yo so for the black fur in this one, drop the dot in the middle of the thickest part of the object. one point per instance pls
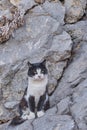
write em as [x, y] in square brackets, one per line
[41, 102]
[16, 121]
[32, 103]
[33, 67]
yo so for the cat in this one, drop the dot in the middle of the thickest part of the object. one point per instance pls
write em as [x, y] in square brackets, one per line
[35, 100]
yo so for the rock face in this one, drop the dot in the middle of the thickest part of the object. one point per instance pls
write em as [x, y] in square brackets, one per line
[45, 35]
[75, 10]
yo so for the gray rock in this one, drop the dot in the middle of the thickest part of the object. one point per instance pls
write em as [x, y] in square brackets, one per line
[40, 1]
[25, 126]
[63, 106]
[74, 74]
[44, 36]
[74, 10]
[55, 10]
[50, 121]
[78, 31]
[10, 105]
[23, 4]
[79, 107]
[54, 122]
[5, 9]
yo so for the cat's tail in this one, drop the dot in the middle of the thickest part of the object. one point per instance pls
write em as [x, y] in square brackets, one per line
[16, 121]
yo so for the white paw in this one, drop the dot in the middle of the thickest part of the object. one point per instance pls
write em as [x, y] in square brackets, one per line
[25, 117]
[40, 113]
[31, 116]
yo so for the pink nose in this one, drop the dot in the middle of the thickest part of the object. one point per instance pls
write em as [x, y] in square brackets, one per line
[39, 76]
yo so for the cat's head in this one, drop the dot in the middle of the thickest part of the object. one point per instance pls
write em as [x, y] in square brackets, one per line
[37, 71]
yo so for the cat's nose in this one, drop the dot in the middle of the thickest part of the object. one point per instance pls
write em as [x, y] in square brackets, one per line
[39, 76]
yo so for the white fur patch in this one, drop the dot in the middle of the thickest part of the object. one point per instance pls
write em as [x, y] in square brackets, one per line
[28, 117]
[36, 88]
[31, 116]
[39, 75]
[40, 113]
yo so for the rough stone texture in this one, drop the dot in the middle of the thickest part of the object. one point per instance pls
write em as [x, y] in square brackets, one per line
[23, 4]
[51, 120]
[44, 36]
[73, 84]
[40, 1]
[75, 10]
[78, 31]
[52, 8]
[79, 107]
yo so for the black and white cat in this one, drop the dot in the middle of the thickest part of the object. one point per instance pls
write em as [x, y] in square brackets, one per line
[35, 100]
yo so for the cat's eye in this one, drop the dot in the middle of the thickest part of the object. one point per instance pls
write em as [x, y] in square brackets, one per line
[42, 71]
[35, 72]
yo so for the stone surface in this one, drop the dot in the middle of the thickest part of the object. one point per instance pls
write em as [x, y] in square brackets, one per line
[55, 10]
[79, 108]
[63, 106]
[23, 4]
[74, 10]
[54, 123]
[10, 105]
[48, 122]
[73, 75]
[78, 31]
[74, 85]
[40, 1]
[64, 46]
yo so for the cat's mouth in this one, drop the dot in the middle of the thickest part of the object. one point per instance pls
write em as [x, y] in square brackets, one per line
[38, 79]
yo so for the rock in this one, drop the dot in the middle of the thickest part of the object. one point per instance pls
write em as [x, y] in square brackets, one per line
[51, 121]
[40, 1]
[79, 106]
[23, 4]
[54, 122]
[5, 10]
[63, 106]
[74, 10]
[5, 114]
[72, 76]
[10, 105]
[45, 36]
[26, 125]
[3, 127]
[78, 31]
[9, 23]
[55, 10]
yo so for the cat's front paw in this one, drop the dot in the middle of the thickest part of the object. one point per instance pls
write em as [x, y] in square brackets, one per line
[31, 116]
[40, 113]
[24, 117]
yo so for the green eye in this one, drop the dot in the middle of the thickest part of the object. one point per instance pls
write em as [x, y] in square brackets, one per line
[42, 71]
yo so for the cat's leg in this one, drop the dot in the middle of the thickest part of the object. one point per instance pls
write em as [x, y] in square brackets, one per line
[32, 107]
[40, 106]
[23, 109]
[43, 105]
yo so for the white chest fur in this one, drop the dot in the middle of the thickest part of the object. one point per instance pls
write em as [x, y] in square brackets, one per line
[36, 88]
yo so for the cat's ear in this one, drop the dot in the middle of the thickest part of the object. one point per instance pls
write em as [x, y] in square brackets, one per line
[44, 62]
[29, 64]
